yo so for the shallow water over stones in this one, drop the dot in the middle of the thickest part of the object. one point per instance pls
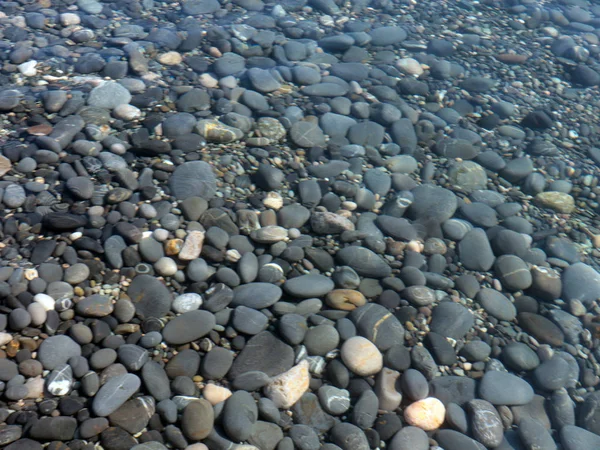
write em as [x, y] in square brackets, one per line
[259, 225]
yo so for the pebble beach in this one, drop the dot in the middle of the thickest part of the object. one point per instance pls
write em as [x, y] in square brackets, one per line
[299, 225]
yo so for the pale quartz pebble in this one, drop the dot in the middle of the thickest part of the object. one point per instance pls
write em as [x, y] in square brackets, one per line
[170, 58]
[192, 246]
[28, 68]
[67, 19]
[127, 112]
[46, 301]
[410, 66]
[215, 394]
[385, 388]
[427, 414]
[35, 387]
[5, 338]
[208, 81]
[361, 356]
[287, 388]
[273, 200]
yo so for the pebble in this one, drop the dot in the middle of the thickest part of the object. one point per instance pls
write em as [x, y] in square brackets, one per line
[427, 414]
[286, 389]
[114, 393]
[361, 356]
[502, 388]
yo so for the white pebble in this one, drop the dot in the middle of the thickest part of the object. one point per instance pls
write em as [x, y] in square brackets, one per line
[28, 68]
[127, 112]
[45, 300]
[67, 19]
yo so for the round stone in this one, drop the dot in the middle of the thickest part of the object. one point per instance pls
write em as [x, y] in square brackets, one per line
[361, 356]
[427, 414]
[193, 179]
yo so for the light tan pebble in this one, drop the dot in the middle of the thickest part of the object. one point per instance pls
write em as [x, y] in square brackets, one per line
[345, 299]
[67, 19]
[361, 356]
[5, 338]
[170, 58]
[427, 414]
[35, 387]
[385, 388]
[192, 247]
[215, 52]
[410, 66]
[165, 266]
[348, 205]
[558, 201]
[215, 394]
[287, 388]
[273, 200]
[197, 446]
[127, 112]
[208, 81]
[415, 246]
[5, 165]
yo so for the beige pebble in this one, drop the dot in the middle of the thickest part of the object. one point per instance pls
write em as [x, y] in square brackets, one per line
[35, 387]
[192, 246]
[5, 338]
[361, 356]
[558, 201]
[345, 299]
[197, 446]
[67, 19]
[170, 58]
[215, 394]
[385, 388]
[287, 388]
[5, 165]
[409, 66]
[127, 112]
[427, 414]
[273, 200]
[208, 81]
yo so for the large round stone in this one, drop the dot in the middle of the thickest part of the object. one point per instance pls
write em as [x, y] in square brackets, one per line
[150, 297]
[193, 179]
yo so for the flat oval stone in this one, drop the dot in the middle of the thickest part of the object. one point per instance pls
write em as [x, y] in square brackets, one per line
[378, 324]
[308, 286]
[364, 261]
[256, 295]
[361, 356]
[263, 353]
[486, 425]
[188, 327]
[541, 328]
[496, 304]
[502, 388]
[197, 420]
[451, 320]
[114, 393]
[95, 306]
